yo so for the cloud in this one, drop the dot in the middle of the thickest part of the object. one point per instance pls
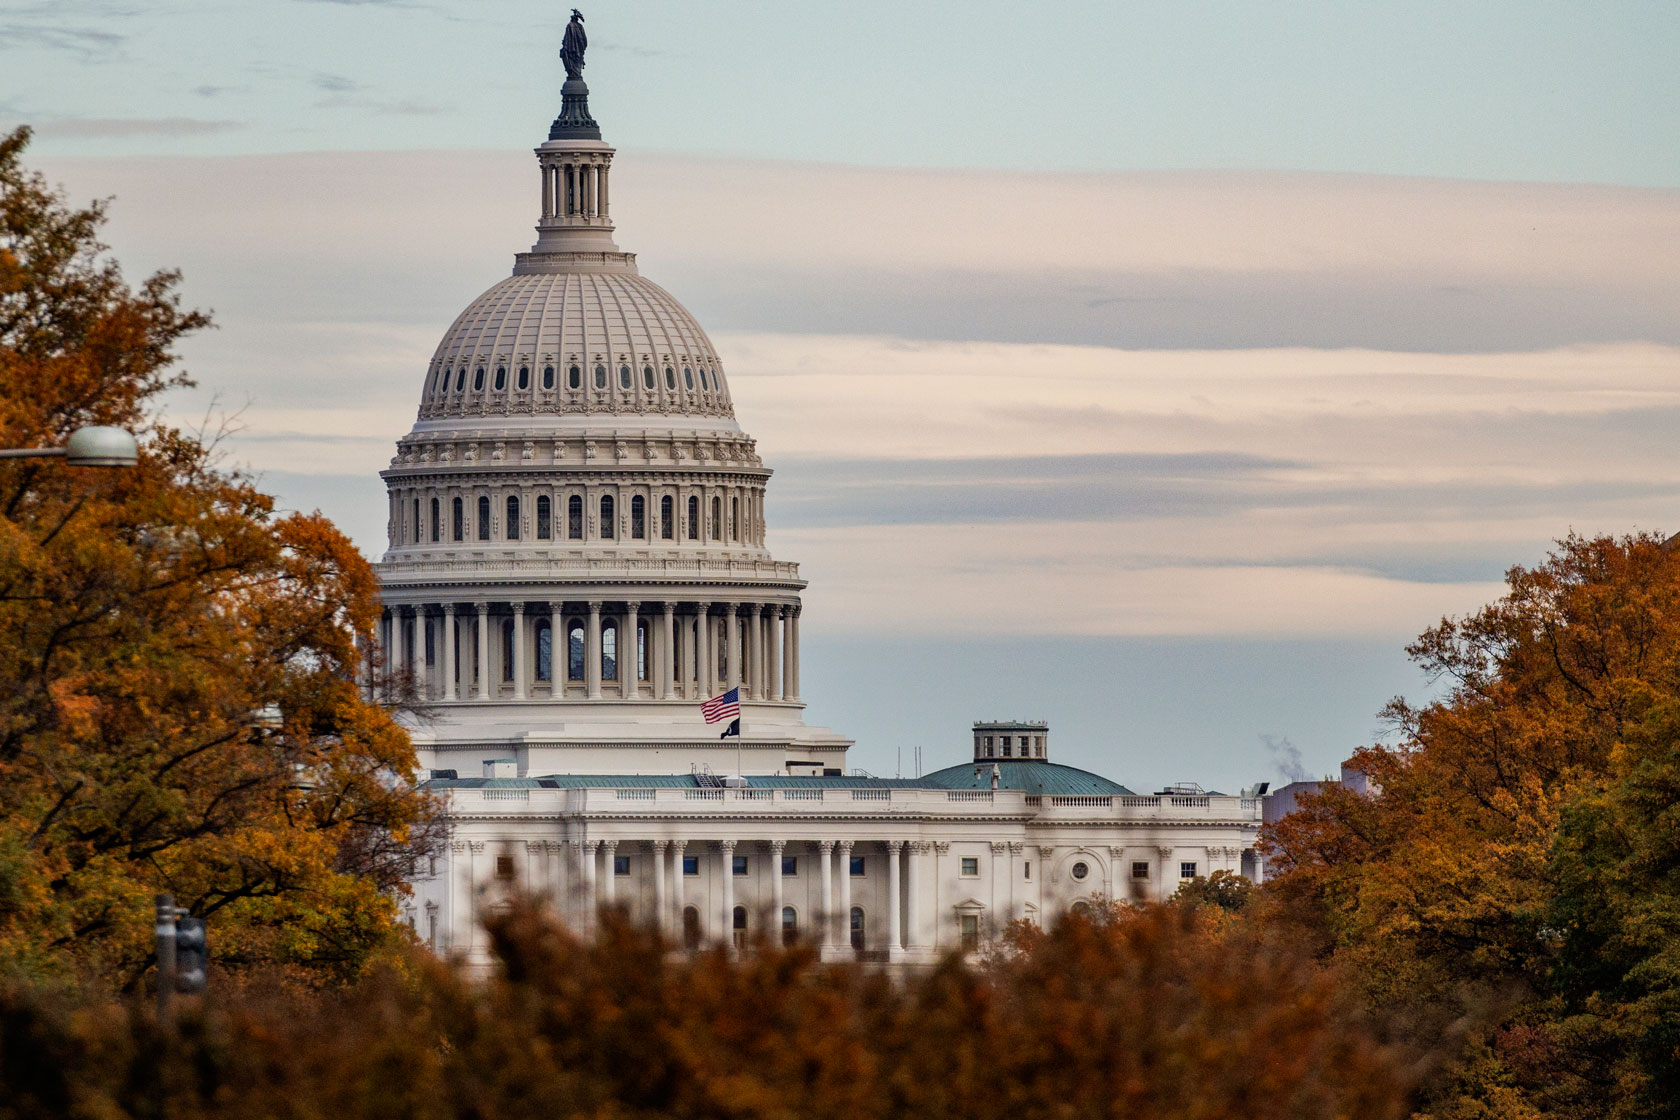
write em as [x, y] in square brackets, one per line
[334, 83]
[86, 42]
[216, 91]
[110, 128]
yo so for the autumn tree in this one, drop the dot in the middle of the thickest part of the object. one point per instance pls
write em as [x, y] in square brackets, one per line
[1521, 857]
[178, 710]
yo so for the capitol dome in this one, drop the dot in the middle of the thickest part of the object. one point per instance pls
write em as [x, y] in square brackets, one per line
[576, 549]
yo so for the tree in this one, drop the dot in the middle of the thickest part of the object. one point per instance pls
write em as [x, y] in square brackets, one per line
[1521, 853]
[178, 705]
[1225, 890]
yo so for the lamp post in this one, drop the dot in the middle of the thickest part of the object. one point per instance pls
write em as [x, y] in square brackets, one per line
[86, 447]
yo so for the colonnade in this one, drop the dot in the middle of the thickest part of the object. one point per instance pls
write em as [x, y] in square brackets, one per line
[596, 649]
[573, 188]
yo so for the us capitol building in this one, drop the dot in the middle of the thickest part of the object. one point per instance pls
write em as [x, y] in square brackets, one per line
[576, 562]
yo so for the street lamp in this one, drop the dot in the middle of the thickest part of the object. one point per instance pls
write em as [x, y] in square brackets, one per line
[86, 447]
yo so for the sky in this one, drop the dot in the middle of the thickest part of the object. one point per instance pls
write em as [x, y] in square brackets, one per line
[1158, 370]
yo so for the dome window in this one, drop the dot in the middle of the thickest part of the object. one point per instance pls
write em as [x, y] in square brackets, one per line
[600, 376]
[524, 377]
[647, 377]
[688, 378]
[460, 379]
[548, 377]
[501, 378]
[478, 379]
[574, 378]
[624, 377]
[670, 378]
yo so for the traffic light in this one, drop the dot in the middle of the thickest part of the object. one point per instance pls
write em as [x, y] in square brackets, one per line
[192, 955]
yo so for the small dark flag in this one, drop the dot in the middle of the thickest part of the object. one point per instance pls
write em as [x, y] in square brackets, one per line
[733, 729]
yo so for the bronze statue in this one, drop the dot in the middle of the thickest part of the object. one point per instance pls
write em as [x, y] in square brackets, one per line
[573, 46]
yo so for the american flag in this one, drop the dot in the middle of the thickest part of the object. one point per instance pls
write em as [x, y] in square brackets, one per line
[720, 708]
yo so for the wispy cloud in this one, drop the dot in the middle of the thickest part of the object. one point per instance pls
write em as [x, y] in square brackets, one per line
[112, 128]
[334, 83]
[88, 43]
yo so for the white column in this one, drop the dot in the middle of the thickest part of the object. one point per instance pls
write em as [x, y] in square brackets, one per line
[667, 653]
[773, 657]
[703, 648]
[659, 915]
[592, 652]
[787, 655]
[627, 679]
[895, 925]
[484, 651]
[1166, 887]
[448, 644]
[843, 853]
[755, 651]
[727, 848]
[591, 901]
[915, 936]
[609, 892]
[678, 848]
[793, 656]
[559, 650]
[519, 658]
[732, 635]
[417, 663]
[776, 847]
[825, 849]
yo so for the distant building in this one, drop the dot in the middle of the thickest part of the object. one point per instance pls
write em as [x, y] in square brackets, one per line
[576, 561]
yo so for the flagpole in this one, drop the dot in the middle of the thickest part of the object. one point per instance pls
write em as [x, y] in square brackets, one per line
[740, 733]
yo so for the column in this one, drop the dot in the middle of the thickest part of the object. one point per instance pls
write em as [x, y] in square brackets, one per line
[727, 847]
[825, 848]
[895, 925]
[592, 652]
[394, 646]
[776, 847]
[793, 656]
[659, 915]
[417, 663]
[754, 666]
[773, 656]
[732, 636]
[703, 649]
[448, 644]
[678, 848]
[915, 937]
[483, 651]
[667, 653]
[843, 852]
[627, 665]
[590, 901]
[519, 657]
[1165, 888]
[610, 890]
[559, 650]
[787, 654]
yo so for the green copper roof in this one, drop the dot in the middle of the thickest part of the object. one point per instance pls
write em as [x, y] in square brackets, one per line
[1030, 776]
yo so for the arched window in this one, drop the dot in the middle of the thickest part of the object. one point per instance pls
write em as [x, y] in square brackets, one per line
[691, 928]
[545, 650]
[608, 529]
[734, 519]
[670, 378]
[624, 377]
[600, 376]
[574, 518]
[739, 921]
[693, 518]
[417, 521]
[501, 378]
[548, 377]
[857, 927]
[574, 650]
[638, 517]
[790, 925]
[545, 518]
[647, 377]
[512, 518]
[460, 521]
[665, 526]
[609, 651]
[460, 379]
[688, 378]
[478, 379]
[507, 650]
[524, 377]
[436, 529]
[717, 518]
[483, 518]
[574, 378]
[641, 649]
